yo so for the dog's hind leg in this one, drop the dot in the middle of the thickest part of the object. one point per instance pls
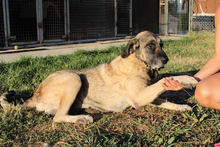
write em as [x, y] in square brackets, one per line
[72, 87]
[4, 98]
[171, 106]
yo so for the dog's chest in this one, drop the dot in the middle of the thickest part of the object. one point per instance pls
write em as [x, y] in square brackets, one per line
[107, 97]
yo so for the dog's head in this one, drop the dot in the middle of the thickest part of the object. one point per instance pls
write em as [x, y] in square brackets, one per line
[147, 47]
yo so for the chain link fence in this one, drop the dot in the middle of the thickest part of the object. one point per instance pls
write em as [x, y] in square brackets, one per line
[184, 16]
[204, 14]
[31, 22]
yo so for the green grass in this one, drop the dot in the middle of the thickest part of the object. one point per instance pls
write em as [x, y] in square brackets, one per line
[147, 126]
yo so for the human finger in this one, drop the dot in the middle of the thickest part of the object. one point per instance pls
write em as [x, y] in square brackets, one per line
[169, 82]
[166, 87]
[172, 84]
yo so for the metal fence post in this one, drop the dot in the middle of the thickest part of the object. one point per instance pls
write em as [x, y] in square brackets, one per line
[166, 17]
[39, 12]
[5, 22]
[67, 19]
[190, 15]
[130, 18]
[116, 17]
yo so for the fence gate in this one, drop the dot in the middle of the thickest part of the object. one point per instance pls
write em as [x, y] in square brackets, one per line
[20, 17]
[123, 17]
[91, 20]
[177, 16]
[53, 20]
[145, 16]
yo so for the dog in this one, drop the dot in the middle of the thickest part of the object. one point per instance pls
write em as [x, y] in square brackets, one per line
[130, 80]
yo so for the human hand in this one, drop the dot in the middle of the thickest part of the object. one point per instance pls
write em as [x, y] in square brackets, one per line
[170, 84]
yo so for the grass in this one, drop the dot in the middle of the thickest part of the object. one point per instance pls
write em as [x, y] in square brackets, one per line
[147, 126]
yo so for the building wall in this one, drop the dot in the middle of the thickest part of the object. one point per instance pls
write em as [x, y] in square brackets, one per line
[205, 6]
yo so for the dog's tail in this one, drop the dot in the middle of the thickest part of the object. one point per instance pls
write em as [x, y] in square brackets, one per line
[4, 98]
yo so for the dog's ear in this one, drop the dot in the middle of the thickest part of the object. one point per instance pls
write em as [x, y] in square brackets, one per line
[131, 46]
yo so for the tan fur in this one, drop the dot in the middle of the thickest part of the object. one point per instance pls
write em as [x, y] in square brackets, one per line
[127, 81]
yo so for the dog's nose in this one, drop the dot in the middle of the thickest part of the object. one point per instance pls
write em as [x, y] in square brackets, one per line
[165, 60]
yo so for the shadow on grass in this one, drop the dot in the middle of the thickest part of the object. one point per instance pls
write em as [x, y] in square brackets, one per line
[20, 97]
[182, 96]
[190, 73]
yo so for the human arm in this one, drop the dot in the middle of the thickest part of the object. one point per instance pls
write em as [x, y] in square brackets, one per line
[213, 64]
[210, 68]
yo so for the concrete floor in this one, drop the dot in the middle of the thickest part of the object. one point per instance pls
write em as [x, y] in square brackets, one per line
[8, 56]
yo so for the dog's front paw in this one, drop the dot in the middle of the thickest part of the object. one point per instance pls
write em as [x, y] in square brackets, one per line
[84, 119]
[176, 107]
[183, 108]
[186, 81]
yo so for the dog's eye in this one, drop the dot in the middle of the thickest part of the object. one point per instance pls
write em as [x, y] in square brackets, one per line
[150, 45]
